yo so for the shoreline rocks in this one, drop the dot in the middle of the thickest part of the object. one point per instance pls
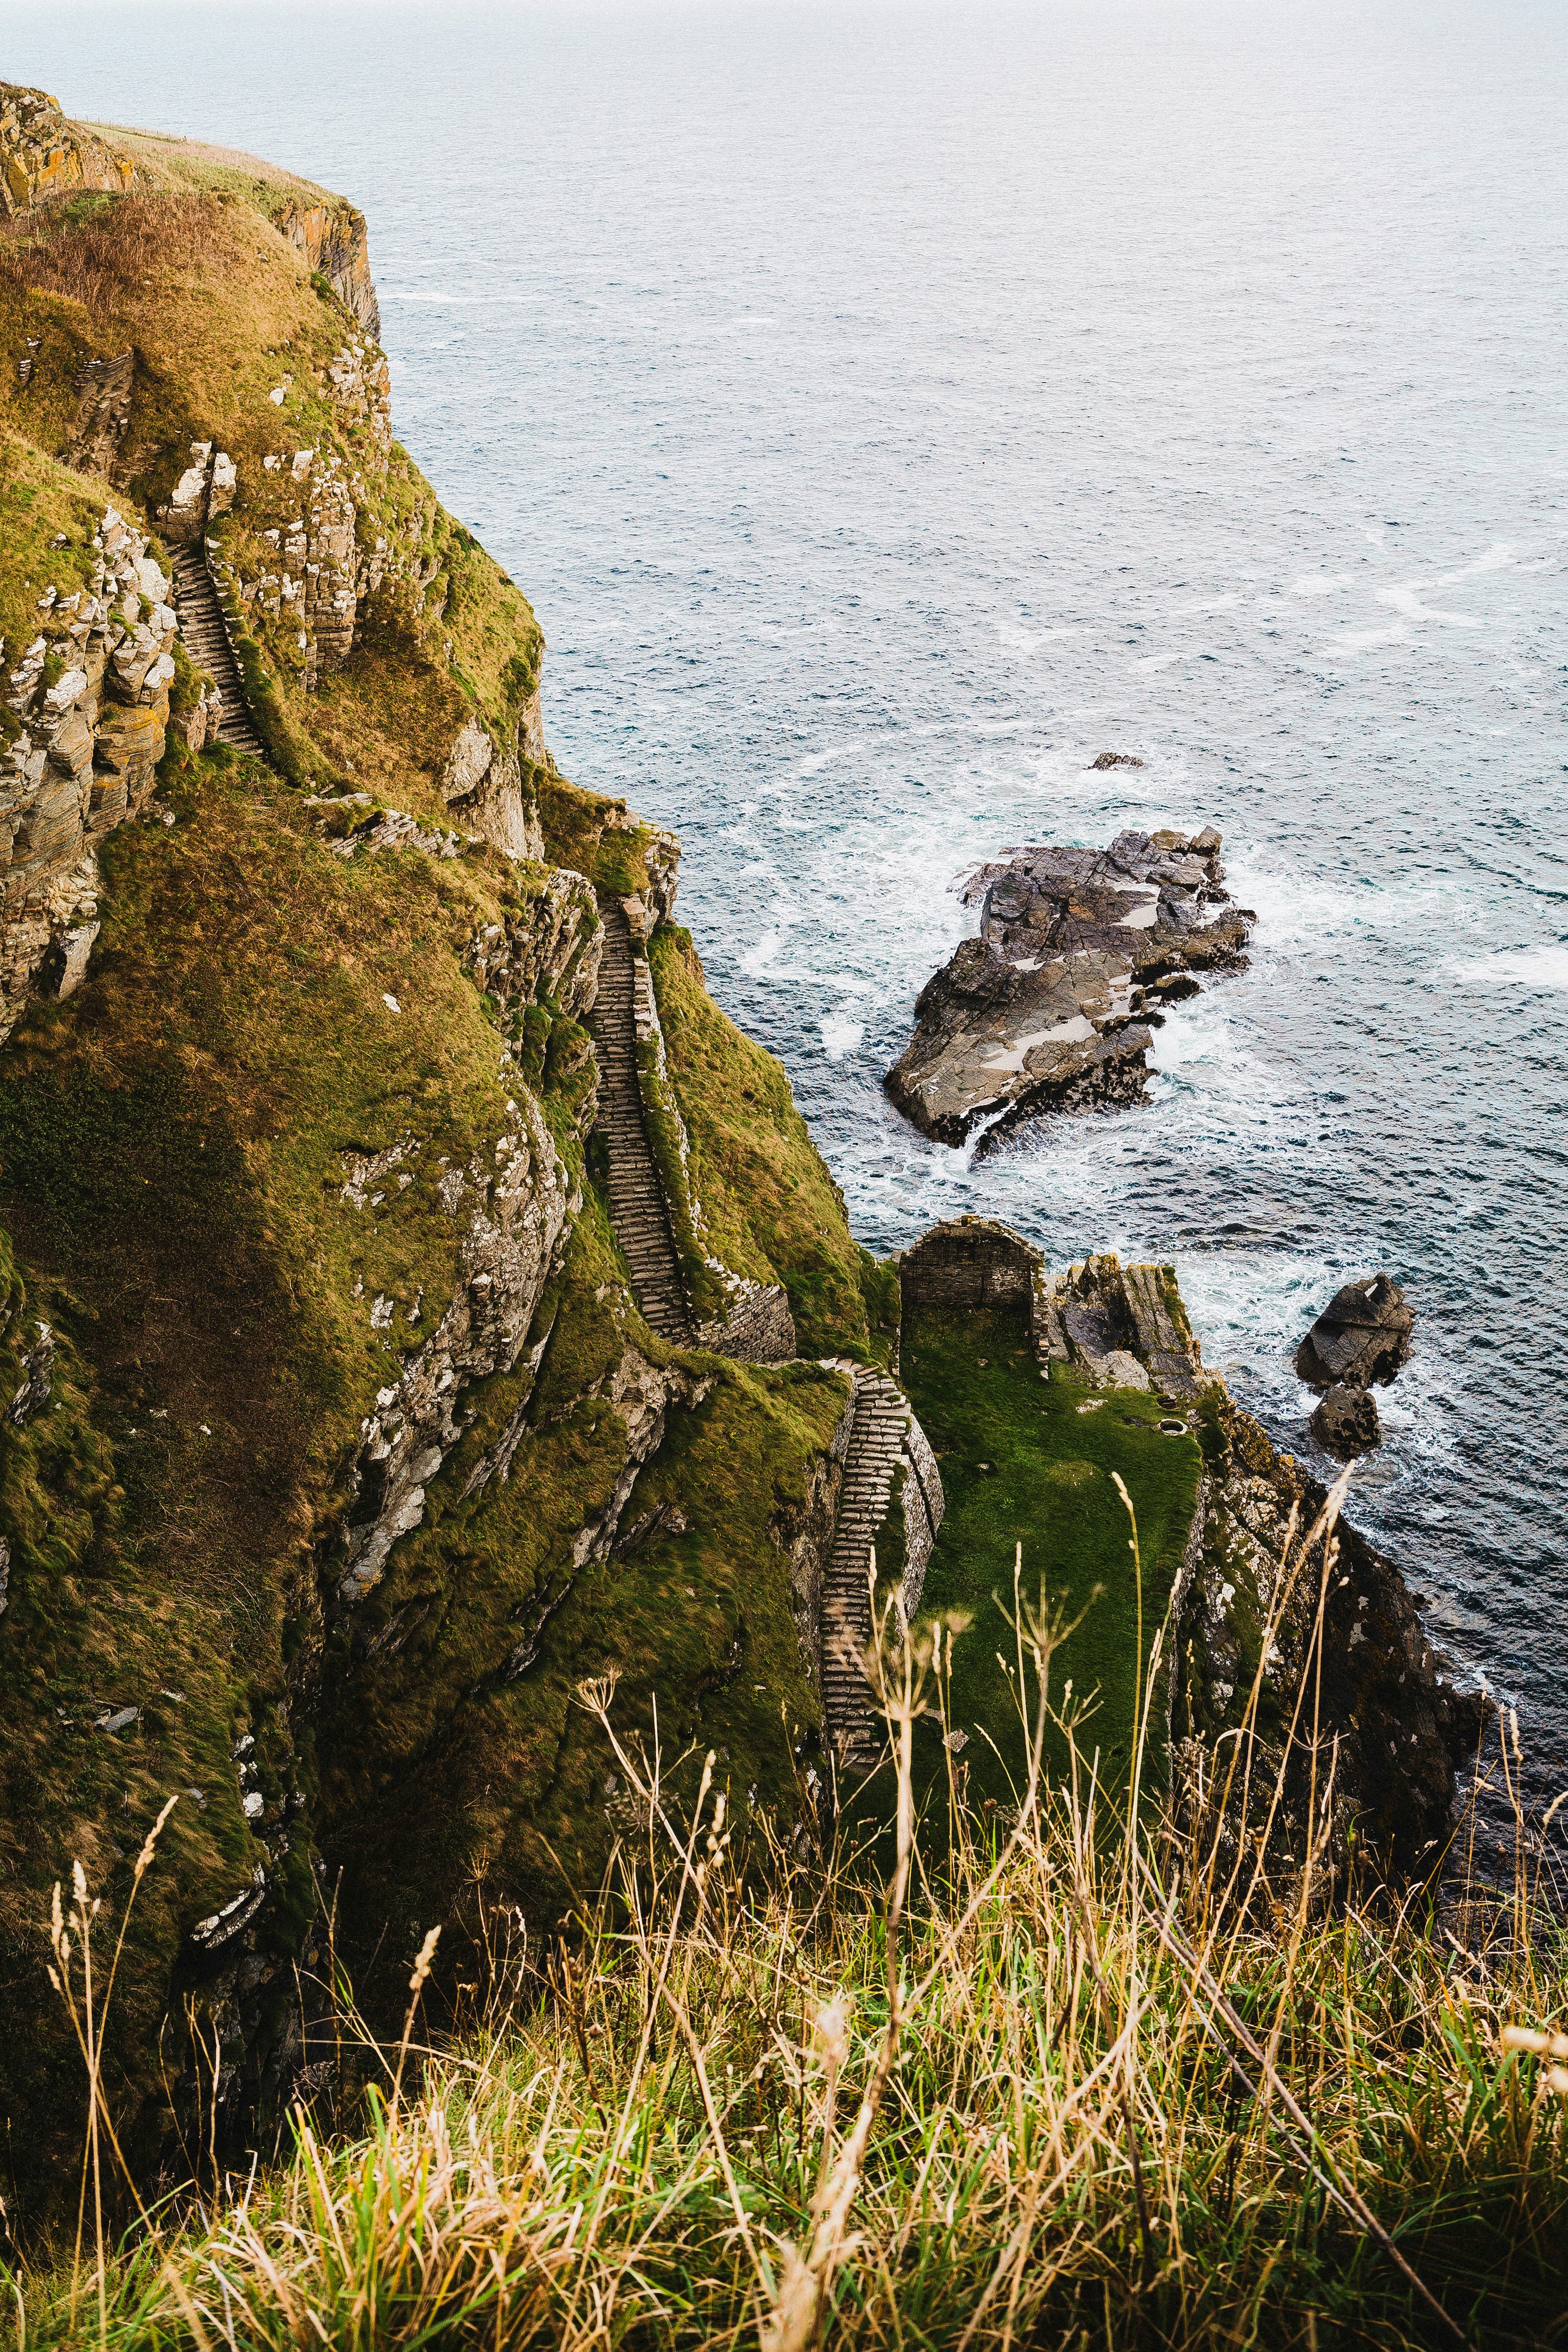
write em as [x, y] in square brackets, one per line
[1345, 1421]
[1051, 1007]
[1361, 1337]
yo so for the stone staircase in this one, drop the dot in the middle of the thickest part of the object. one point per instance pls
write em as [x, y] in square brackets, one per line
[637, 1207]
[205, 635]
[878, 1431]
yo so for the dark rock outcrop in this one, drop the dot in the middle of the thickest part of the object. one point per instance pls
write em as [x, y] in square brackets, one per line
[1363, 1336]
[1048, 1008]
[1345, 1422]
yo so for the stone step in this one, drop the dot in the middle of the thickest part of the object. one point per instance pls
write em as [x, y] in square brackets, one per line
[638, 1209]
[206, 637]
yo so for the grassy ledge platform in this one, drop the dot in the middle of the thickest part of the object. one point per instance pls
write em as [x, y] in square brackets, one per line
[1030, 1460]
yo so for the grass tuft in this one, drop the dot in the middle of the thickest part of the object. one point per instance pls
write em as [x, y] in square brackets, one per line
[1046, 2091]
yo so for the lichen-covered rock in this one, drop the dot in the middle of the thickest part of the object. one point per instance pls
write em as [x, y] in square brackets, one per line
[1047, 1009]
[42, 155]
[90, 696]
[1381, 1724]
[516, 1228]
[332, 236]
[483, 786]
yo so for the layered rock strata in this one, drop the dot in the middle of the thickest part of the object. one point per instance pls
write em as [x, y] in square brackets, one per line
[1361, 1337]
[333, 238]
[1049, 1007]
[90, 699]
[43, 155]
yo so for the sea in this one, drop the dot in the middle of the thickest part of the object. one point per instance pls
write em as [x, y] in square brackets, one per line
[890, 409]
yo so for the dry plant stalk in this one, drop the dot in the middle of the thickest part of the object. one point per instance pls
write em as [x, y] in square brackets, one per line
[1049, 2086]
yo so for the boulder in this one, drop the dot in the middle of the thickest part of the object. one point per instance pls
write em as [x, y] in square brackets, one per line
[1345, 1421]
[1363, 1336]
[1048, 1009]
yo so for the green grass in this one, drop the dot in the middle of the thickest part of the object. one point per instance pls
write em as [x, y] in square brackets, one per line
[973, 1381]
[1099, 2113]
[770, 1207]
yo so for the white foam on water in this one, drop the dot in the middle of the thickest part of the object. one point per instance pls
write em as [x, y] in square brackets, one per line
[1531, 968]
[841, 1036]
[1362, 641]
[1406, 599]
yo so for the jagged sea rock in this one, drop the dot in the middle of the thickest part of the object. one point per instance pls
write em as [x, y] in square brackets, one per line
[1045, 1009]
[1363, 1336]
[1345, 1421]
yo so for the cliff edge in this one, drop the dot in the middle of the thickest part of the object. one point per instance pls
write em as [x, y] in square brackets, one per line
[341, 1447]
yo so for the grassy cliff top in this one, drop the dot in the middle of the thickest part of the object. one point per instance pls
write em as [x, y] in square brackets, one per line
[1029, 1461]
[164, 161]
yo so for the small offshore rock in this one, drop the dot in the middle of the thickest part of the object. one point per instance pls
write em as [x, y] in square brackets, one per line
[1047, 1010]
[1361, 1337]
[1117, 760]
[1345, 1421]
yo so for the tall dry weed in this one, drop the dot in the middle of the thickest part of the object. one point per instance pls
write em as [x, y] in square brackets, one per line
[1058, 2080]
[110, 258]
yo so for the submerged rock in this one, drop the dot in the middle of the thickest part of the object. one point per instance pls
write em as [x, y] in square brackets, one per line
[1345, 1422]
[1363, 1336]
[1048, 1008]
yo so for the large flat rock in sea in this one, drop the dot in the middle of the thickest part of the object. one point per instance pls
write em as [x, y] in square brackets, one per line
[1050, 1007]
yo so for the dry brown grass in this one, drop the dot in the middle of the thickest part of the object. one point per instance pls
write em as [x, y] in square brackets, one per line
[107, 258]
[1053, 2091]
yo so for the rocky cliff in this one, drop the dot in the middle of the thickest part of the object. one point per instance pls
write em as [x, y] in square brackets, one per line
[42, 155]
[341, 1448]
[350, 1430]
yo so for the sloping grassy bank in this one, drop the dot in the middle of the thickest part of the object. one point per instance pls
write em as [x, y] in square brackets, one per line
[1027, 1460]
[1059, 2103]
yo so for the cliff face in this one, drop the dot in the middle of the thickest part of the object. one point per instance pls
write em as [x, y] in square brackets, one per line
[88, 704]
[344, 1443]
[43, 155]
[333, 237]
[341, 1449]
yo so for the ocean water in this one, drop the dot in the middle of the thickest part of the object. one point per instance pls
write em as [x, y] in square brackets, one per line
[888, 411]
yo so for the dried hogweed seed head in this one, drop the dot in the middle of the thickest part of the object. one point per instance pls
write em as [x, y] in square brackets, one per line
[422, 1965]
[830, 2029]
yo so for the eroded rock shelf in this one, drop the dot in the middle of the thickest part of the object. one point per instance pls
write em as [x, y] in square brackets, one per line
[1052, 1007]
